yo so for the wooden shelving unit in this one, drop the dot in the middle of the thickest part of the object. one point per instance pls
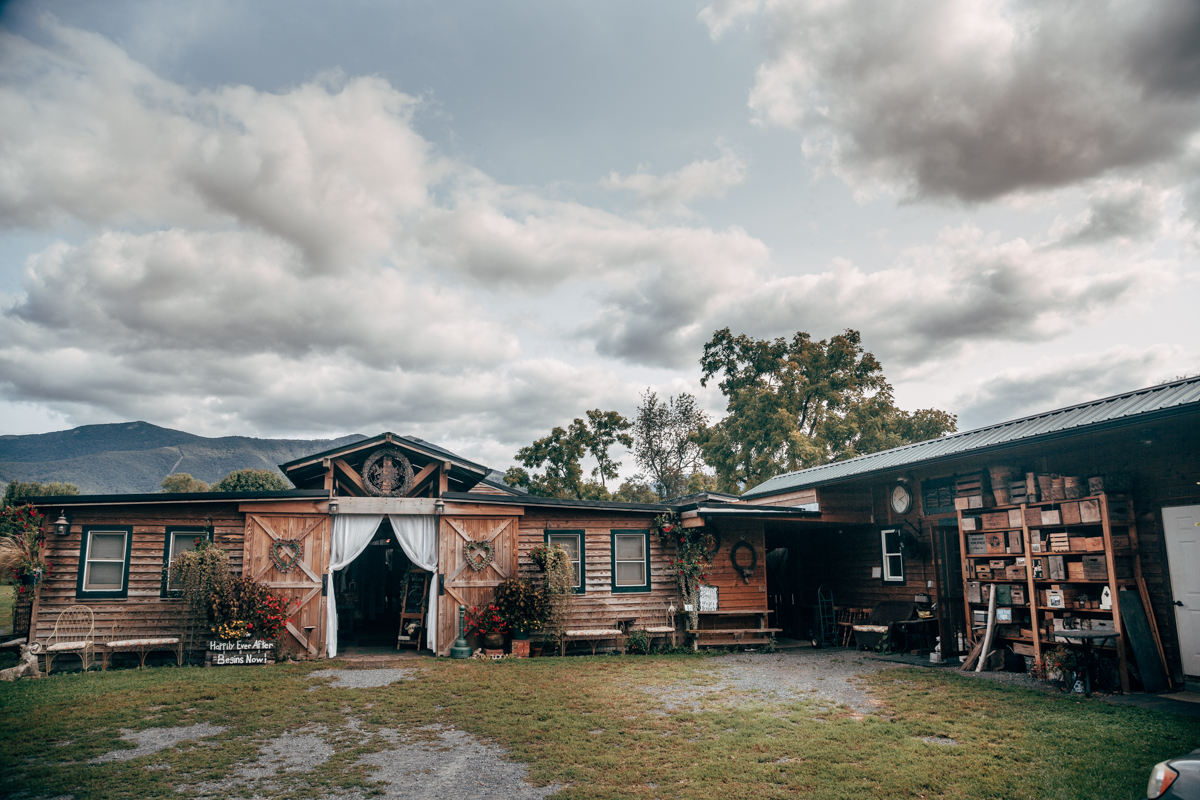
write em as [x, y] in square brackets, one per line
[1108, 541]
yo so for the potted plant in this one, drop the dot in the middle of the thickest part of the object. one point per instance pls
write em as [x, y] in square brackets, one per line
[487, 623]
[523, 604]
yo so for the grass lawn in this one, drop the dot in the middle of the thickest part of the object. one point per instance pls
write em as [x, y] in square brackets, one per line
[7, 595]
[582, 723]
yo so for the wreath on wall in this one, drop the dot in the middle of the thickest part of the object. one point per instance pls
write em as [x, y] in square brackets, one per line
[747, 572]
[478, 555]
[285, 553]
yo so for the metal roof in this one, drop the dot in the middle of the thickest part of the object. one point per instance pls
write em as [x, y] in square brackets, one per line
[1130, 408]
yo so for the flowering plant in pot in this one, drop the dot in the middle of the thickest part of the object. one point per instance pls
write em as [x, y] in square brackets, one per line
[488, 623]
[523, 604]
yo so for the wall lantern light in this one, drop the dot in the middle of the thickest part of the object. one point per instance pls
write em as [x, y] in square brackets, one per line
[62, 525]
[333, 506]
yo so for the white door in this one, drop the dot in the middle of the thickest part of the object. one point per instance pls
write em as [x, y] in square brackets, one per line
[1183, 556]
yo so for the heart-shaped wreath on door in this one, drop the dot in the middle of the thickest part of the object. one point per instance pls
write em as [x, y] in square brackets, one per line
[286, 552]
[478, 555]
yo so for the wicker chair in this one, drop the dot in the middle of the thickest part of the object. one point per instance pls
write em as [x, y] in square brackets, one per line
[657, 619]
[74, 633]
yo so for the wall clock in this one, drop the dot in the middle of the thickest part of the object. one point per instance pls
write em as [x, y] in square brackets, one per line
[901, 499]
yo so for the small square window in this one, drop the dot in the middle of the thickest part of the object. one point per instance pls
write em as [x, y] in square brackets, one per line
[630, 561]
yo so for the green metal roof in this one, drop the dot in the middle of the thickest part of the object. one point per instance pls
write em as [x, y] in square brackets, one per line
[1131, 408]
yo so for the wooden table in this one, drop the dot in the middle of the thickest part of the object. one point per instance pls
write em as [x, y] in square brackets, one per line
[1086, 638]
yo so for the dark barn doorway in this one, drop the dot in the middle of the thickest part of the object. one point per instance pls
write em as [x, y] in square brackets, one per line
[378, 594]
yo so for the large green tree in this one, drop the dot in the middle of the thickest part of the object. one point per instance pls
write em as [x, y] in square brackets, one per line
[559, 456]
[801, 403]
[252, 480]
[664, 435]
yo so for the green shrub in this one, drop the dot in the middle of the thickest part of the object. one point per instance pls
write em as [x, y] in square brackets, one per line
[638, 643]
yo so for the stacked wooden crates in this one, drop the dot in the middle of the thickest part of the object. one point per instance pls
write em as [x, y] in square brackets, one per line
[1048, 564]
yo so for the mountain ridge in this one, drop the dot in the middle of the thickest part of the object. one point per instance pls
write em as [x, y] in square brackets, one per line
[134, 457]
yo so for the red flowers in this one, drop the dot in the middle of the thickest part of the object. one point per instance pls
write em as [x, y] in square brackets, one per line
[485, 621]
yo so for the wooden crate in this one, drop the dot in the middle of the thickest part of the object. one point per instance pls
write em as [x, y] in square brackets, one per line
[1119, 508]
[1075, 571]
[1070, 513]
[1051, 516]
[997, 563]
[1058, 572]
[1023, 649]
[1078, 544]
[1094, 543]
[977, 544]
[974, 594]
[970, 523]
[1015, 518]
[1018, 595]
[1033, 517]
[1120, 542]
[1014, 572]
[1016, 543]
[995, 520]
[1089, 511]
[983, 573]
[997, 543]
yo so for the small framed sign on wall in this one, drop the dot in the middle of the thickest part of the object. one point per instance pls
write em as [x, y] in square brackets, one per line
[708, 598]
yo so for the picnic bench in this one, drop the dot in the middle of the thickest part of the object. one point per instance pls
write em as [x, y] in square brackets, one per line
[142, 631]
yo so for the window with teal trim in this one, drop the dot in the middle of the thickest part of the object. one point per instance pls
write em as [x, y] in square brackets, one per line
[631, 561]
[572, 542]
[104, 562]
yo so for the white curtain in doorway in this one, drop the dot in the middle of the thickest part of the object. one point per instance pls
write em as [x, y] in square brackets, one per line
[418, 535]
[351, 535]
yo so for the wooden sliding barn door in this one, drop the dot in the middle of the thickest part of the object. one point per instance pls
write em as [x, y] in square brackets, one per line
[302, 580]
[464, 585]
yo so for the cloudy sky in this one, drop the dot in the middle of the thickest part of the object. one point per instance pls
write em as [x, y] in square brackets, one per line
[473, 221]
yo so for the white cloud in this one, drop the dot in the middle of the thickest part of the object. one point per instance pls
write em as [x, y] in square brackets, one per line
[671, 193]
[974, 100]
[1051, 383]
[721, 15]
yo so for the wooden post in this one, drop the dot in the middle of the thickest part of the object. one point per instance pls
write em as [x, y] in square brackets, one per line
[966, 573]
[987, 636]
[1034, 615]
[1123, 667]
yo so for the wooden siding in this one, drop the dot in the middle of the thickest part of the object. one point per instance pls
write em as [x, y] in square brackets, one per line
[1164, 473]
[149, 524]
[734, 593]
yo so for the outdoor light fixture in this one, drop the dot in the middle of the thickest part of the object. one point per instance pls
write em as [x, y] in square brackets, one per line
[333, 506]
[439, 506]
[62, 525]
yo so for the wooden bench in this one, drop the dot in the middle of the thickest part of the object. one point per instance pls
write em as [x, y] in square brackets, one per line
[142, 630]
[593, 636]
[74, 634]
[732, 633]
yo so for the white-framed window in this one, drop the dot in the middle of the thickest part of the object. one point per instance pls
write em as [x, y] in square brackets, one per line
[572, 542]
[630, 561]
[104, 561]
[176, 541]
[893, 559]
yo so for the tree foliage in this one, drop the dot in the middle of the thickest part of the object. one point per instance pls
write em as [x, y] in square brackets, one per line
[559, 454]
[799, 403]
[252, 480]
[17, 490]
[182, 482]
[665, 446]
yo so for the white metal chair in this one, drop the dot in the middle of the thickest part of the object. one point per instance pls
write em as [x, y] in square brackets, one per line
[75, 633]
